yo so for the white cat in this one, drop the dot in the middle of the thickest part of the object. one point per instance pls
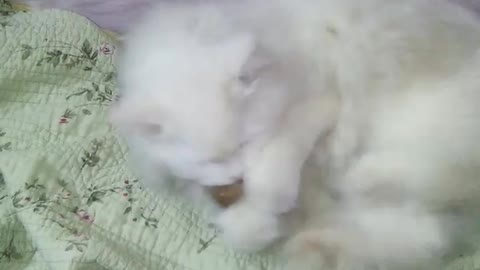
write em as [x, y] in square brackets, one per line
[354, 124]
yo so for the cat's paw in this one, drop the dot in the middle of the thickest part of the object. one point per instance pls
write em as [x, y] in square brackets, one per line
[272, 179]
[247, 228]
[317, 249]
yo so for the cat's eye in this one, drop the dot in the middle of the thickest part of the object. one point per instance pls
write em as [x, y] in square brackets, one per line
[246, 79]
[245, 85]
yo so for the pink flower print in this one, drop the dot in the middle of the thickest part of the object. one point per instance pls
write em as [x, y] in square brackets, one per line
[66, 195]
[107, 48]
[67, 115]
[63, 120]
[85, 217]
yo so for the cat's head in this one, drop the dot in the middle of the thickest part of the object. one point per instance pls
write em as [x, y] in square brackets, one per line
[189, 102]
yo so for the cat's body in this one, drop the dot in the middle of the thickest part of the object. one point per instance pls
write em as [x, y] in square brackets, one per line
[359, 118]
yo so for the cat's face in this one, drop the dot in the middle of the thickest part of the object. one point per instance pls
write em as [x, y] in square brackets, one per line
[183, 103]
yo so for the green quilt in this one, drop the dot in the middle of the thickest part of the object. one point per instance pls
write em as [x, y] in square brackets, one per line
[67, 200]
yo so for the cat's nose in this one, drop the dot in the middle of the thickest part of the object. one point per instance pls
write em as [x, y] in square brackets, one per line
[223, 153]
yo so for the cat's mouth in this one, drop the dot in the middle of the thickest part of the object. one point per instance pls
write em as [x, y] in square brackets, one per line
[227, 195]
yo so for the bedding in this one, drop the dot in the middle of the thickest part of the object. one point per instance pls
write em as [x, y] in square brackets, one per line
[67, 199]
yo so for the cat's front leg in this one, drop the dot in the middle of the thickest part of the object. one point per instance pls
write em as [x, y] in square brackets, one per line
[247, 228]
[271, 187]
[273, 169]
[273, 176]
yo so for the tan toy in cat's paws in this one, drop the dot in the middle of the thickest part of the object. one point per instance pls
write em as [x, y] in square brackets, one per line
[228, 194]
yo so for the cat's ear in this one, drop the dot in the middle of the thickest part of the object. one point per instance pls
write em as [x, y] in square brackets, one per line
[136, 117]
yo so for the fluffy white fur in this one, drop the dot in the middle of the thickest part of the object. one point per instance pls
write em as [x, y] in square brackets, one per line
[354, 124]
